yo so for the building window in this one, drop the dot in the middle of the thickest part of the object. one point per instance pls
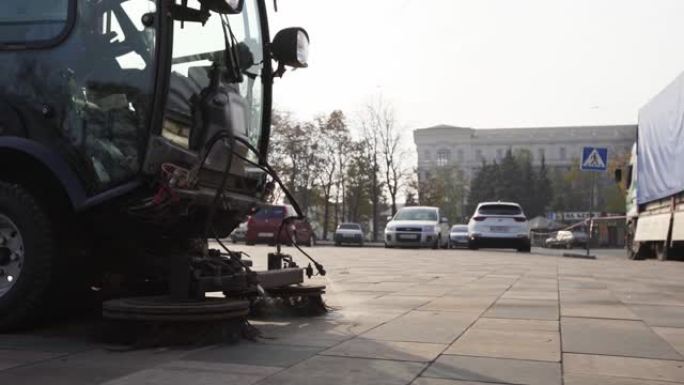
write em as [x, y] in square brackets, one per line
[542, 153]
[32, 21]
[562, 154]
[442, 158]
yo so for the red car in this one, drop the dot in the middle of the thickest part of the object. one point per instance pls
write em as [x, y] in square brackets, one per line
[264, 224]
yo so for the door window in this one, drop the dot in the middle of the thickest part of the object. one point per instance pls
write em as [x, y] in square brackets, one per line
[31, 21]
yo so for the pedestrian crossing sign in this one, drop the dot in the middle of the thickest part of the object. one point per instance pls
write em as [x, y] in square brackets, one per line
[594, 159]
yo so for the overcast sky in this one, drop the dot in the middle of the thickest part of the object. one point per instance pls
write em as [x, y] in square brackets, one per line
[484, 63]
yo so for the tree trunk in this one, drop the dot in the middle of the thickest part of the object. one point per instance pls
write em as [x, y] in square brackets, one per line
[326, 212]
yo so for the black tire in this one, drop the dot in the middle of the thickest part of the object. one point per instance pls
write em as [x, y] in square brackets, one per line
[472, 245]
[25, 300]
[525, 249]
[249, 243]
[435, 245]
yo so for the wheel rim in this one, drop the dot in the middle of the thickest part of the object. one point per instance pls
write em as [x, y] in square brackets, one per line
[11, 254]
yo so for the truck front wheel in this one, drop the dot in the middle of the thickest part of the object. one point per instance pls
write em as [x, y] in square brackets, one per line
[26, 256]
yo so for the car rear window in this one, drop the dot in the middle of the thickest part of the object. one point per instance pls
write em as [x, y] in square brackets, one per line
[350, 226]
[270, 213]
[499, 210]
[459, 229]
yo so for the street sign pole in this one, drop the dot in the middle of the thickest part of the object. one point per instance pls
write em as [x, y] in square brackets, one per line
[594, 159]
[590, 228]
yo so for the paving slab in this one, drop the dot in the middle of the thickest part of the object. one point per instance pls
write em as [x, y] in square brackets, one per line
[59, 372]
[423, 326]
[495, 370]
[511, 324]
[525, 345]
[614, 337]
[255, 354]
[407, 302]
[390, 350]
[524, 309]
[464, 303]
[196, 373]
[14, 358]
[591, 379]
[629, 367]
[441, 381]
[550, 295]
[672, 316]
[674, 336]
[326, 370]
[593, 304]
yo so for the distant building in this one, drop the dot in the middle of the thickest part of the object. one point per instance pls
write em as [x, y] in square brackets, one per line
[560, 146]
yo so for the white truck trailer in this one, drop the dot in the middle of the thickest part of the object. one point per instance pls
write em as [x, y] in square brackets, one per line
[655, 178]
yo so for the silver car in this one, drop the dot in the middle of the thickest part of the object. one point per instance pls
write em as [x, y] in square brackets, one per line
[349, 233]
[458, 236]
[419, 226]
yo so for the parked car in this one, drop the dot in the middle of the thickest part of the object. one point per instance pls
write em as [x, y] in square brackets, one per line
[566, 239]
[420, 226]
[349, 233]
[499, 224]
[458, 236]
[263, 226]
[239, 234]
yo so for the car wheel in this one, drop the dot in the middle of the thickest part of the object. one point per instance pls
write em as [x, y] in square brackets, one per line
[472, 245]
[525, 248]
[27, 257]
[337, 244]
[435, 245]
[249, 243]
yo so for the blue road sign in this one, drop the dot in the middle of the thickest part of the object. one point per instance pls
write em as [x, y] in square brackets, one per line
[594, 159]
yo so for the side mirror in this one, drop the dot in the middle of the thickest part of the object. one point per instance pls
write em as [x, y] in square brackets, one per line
[224, 7]
[290, 47]
[618, 175]
[444, 220]
[389, 218]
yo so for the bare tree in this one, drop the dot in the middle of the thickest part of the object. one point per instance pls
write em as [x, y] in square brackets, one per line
[392, 154]
[294, 153]
[332, 129]
[371, 126]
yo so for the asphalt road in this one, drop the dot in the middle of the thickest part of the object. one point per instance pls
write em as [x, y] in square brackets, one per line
[424, 317]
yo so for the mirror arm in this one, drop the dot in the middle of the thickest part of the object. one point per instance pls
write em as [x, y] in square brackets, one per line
[184, 13]
[278, 73]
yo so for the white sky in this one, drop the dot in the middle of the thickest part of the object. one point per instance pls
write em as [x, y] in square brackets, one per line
[484, 63]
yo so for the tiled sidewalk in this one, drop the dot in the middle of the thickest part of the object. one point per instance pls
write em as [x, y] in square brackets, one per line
[423, 317]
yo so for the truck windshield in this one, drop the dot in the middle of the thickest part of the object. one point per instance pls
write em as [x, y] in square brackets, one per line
[196, 47]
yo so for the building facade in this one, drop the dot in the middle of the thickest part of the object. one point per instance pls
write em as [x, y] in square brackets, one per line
[467, 148]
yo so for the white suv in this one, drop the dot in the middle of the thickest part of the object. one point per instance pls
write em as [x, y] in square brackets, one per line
[417, 226]
[499, 224]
